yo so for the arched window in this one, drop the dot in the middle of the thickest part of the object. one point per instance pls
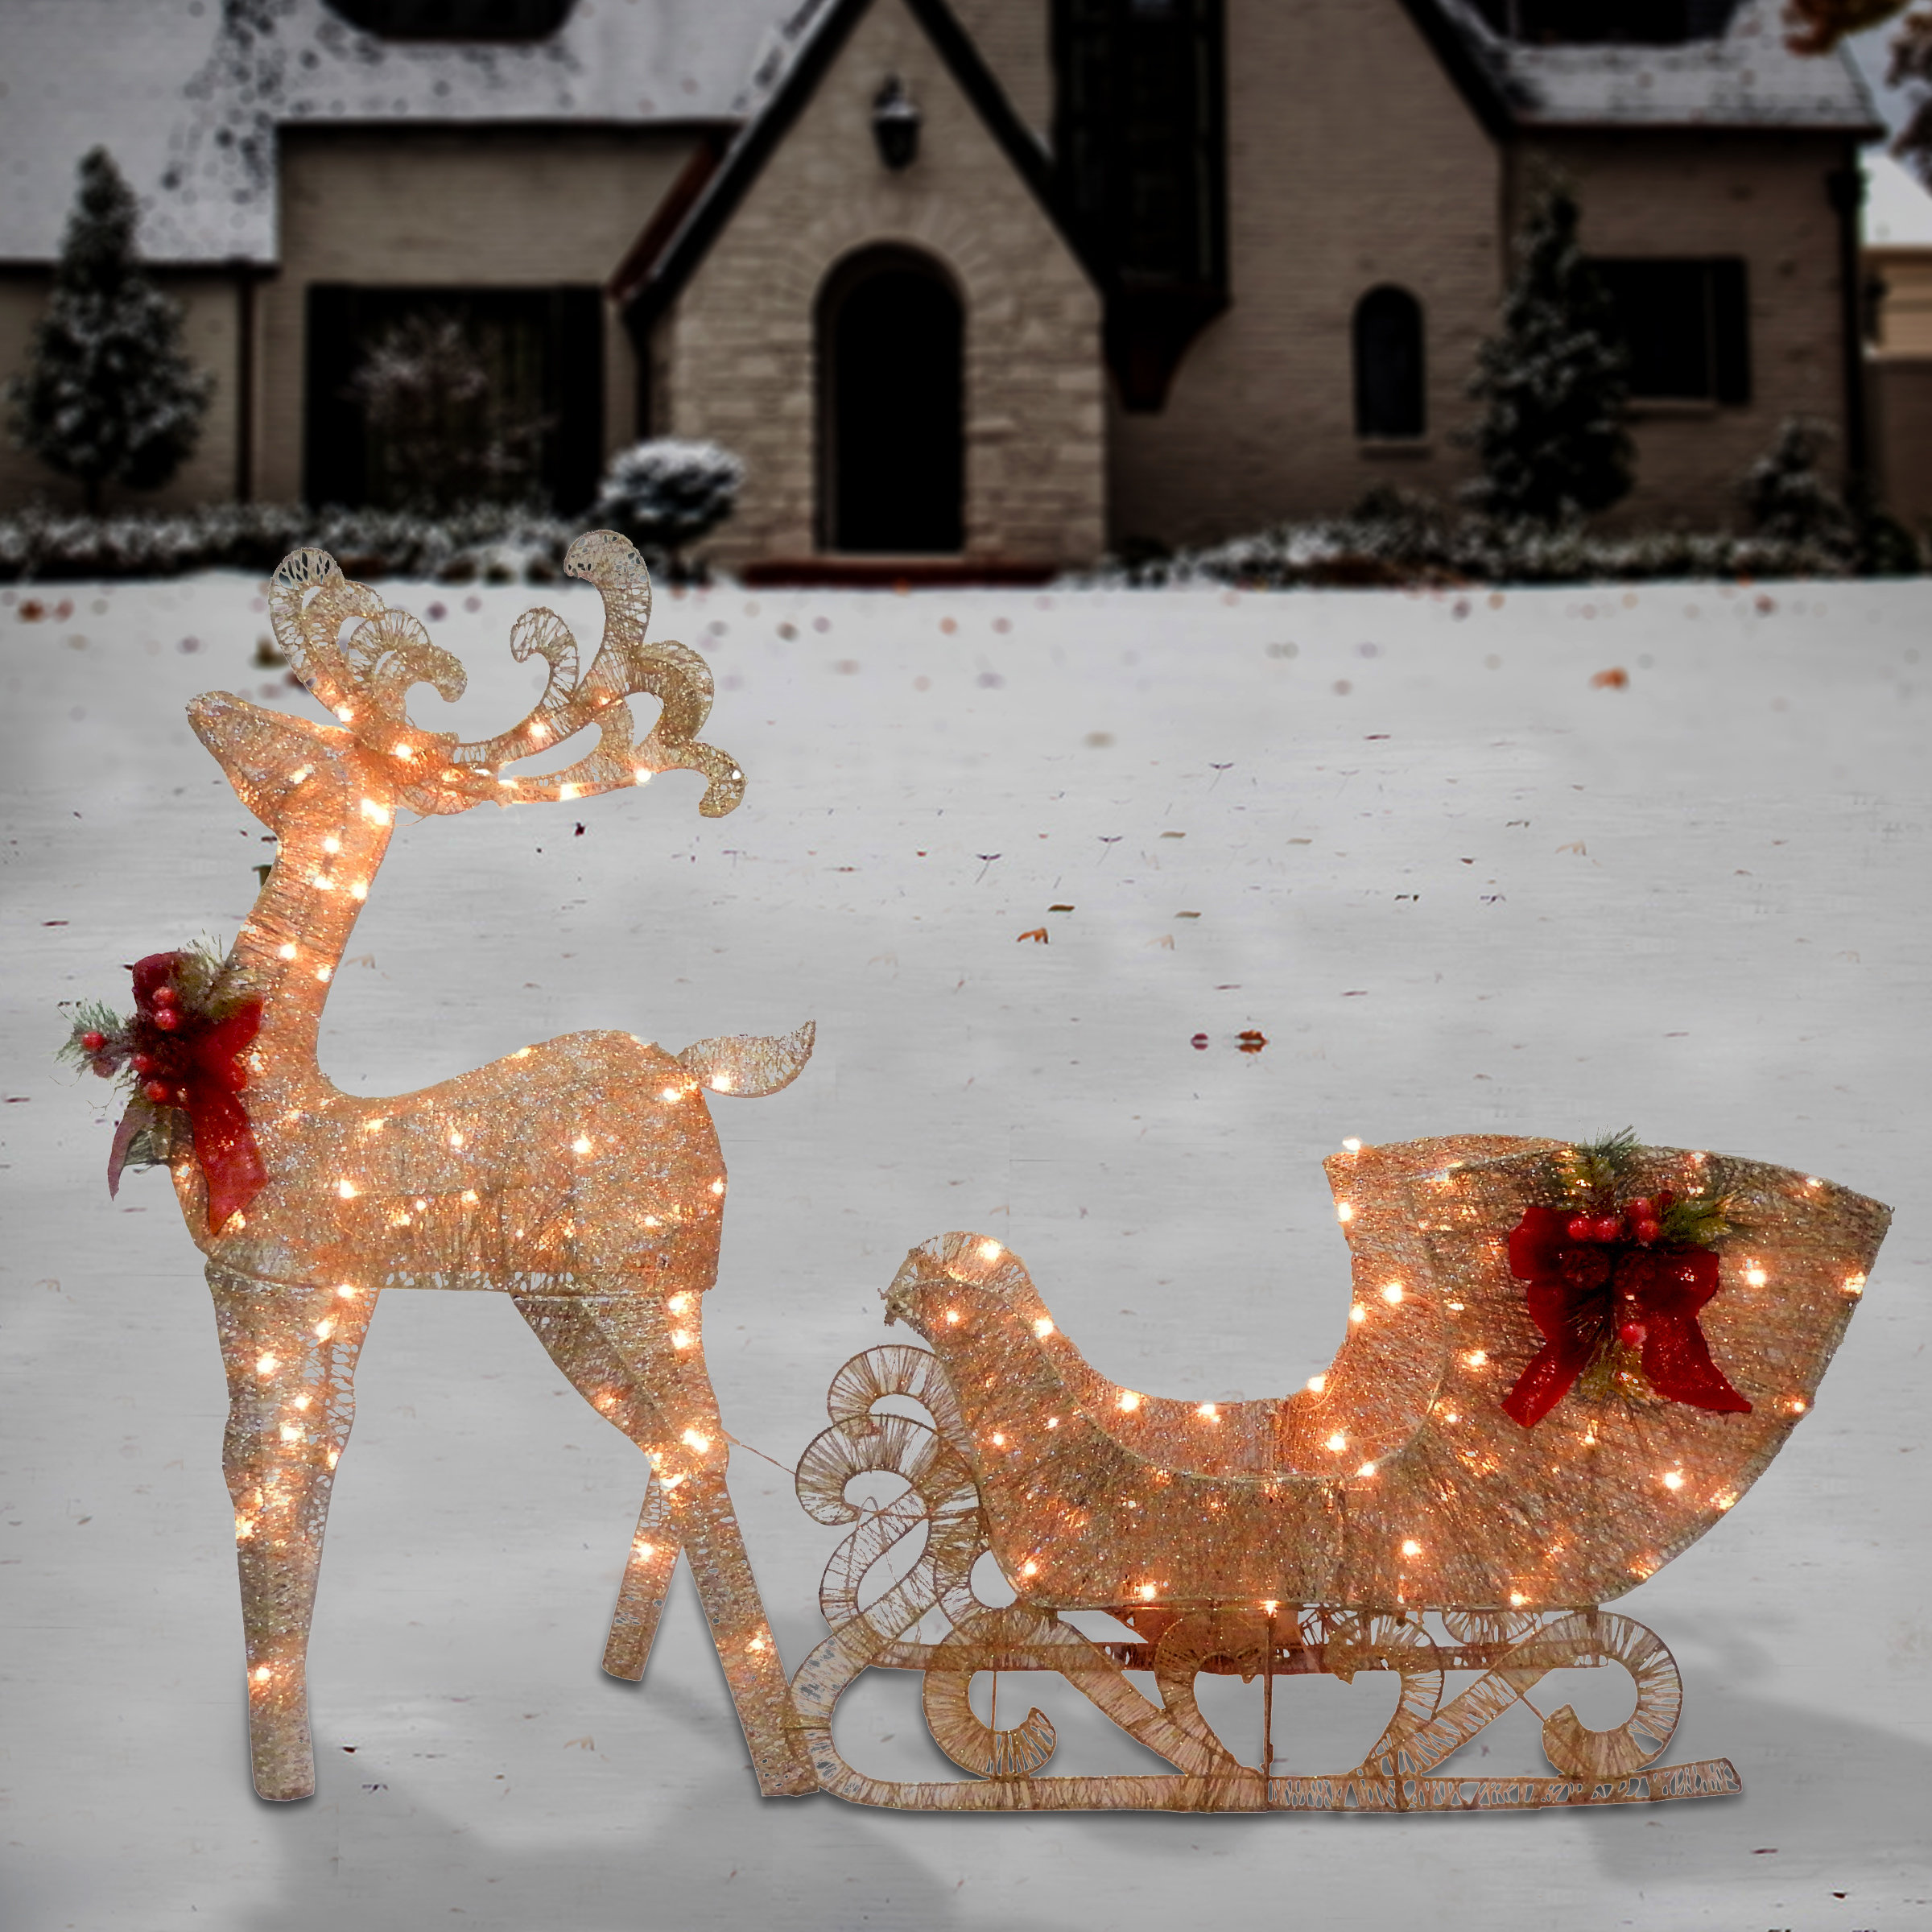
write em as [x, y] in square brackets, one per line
[891, 406]
[1389, 364]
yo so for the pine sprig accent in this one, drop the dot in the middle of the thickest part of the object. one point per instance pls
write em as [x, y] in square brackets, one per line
[211, 983]
[1697, 1220]
[90, 1016]
[1593, 1172]
[211, 980]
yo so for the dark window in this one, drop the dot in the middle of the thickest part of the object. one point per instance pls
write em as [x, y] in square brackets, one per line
[522, 419]
[1389, 364]
[1647, 23]
[1685, 325]
[1138, 158]
[455, 20]
[891, 347]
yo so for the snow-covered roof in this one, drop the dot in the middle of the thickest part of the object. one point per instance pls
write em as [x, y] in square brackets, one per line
[1898, 210]
[1748, 77]
[186, 95]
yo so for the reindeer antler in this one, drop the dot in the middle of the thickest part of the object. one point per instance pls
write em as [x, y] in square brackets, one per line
[364, 680]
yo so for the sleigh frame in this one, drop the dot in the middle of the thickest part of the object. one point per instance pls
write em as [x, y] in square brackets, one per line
[939, 1502]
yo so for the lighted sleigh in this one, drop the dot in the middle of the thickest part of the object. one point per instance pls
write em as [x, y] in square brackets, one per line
[1390, 1516]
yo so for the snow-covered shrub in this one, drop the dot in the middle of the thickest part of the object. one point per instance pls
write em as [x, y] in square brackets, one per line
[108, 396]
[1398, 539]
[1551, 439]
[667, 492]
[1789, 500]
[491, 543]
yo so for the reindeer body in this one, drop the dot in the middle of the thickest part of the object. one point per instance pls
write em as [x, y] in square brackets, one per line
[582, 1178]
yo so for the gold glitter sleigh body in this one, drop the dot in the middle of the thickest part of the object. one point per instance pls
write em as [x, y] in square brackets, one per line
[1325, 1532]
[582, 1178]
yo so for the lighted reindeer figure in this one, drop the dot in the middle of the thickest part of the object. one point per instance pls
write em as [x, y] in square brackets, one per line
[581, 1178]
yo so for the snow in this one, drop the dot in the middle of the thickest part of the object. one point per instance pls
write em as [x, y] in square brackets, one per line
[1898, 210]
[1747, 78]
[1455, 883]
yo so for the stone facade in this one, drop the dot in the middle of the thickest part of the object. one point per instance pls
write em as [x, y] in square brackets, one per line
[1015, 39]
[1763, 196]
[1328, 196]
[735, 358]
[477, 207]
[1898, 372]
[1901, 413]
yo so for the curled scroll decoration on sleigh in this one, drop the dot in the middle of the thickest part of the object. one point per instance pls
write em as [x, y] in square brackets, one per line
[1395, 1516]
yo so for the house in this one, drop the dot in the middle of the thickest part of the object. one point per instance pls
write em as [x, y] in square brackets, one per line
[971, 285]
[1898, 287]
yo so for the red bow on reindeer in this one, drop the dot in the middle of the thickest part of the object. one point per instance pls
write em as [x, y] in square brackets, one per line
[1589, 1288]
[193, 1061]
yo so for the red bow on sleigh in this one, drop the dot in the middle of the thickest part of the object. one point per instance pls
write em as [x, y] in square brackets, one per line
[1586, 1294]
[195, 1062]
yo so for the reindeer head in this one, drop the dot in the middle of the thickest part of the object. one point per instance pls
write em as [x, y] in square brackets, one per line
[364, 677]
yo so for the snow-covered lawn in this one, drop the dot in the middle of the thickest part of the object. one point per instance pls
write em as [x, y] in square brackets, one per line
[1454, 880]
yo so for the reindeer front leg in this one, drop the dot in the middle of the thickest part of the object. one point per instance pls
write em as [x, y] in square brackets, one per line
[290, 1354]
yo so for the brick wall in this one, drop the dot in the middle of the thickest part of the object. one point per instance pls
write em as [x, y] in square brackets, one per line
[1015, 39]
[1903, 280]
[478, 208]
[737, 352]
[1351, 161]
[1760, 196]
[211, 303]
[1900, 396]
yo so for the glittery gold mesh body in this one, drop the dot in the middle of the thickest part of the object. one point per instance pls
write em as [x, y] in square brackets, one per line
[582, 1178]
[1391, 1516]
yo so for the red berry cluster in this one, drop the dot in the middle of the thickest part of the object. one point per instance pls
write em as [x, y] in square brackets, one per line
[162, 1035]
[1641, 1221]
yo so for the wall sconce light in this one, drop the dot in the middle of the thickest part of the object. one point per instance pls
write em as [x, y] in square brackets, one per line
[895, 125]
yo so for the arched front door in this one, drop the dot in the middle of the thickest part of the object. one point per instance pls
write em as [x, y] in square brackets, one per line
[891, 406]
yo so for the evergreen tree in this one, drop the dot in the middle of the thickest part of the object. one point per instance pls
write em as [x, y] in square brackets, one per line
[1551, 439]
[1788, 497]
[108, 396]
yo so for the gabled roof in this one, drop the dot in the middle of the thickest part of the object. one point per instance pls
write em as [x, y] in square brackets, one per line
[1746, 77]
[188, 96]
[650, 282]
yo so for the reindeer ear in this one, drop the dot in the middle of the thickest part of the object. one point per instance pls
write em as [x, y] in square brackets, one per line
[264, 754]
[746, 1065]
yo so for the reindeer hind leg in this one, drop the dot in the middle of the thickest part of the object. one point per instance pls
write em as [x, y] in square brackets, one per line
[615, 1350]
[289, 1353]
[654, 1555]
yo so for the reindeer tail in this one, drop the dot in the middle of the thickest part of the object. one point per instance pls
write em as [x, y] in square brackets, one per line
[747, 1064]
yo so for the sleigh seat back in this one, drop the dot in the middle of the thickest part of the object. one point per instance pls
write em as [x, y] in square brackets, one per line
[1396, 1479]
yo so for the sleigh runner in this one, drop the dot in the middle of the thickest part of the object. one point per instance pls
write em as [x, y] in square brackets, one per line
[1391, 1517]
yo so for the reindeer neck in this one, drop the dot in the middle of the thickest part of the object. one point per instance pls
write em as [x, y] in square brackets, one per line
[293, 941]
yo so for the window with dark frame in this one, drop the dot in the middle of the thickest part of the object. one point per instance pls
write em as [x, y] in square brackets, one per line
[1388, 368]
[1139, 142]
[1685, 324]
[542, 352]
[455, 20]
